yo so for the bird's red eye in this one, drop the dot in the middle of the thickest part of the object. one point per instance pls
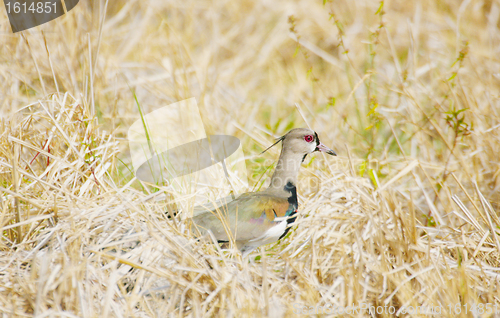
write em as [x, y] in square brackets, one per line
[308, 138]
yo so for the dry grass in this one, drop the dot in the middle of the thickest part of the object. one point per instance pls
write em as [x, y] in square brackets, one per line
[405, 216]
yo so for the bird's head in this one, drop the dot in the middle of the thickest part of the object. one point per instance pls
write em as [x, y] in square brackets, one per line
[302, 141]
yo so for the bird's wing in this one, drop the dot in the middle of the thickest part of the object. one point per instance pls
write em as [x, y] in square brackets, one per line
[248, 217]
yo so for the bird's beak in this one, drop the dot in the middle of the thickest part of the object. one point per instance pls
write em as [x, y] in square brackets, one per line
[324, 148]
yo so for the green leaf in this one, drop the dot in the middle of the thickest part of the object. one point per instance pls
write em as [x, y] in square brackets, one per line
[371, 175]
[362, 168]
[380, 7]
[331, 103]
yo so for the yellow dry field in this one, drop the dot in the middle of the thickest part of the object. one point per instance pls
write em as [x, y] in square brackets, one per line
[403, 223]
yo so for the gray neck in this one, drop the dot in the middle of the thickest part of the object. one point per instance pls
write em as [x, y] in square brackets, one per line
[286, 172]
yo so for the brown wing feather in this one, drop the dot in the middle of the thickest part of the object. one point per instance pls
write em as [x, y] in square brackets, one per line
[247, 217]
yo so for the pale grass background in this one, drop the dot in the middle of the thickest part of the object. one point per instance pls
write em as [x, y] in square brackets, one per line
[417, 226]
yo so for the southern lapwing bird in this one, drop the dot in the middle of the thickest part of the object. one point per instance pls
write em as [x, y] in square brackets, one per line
[260, 218]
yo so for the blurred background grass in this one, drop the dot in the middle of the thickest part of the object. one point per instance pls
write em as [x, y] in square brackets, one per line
[364, 74]
[383, 83]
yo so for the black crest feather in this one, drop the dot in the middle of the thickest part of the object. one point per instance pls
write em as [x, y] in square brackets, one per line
[277, 141]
